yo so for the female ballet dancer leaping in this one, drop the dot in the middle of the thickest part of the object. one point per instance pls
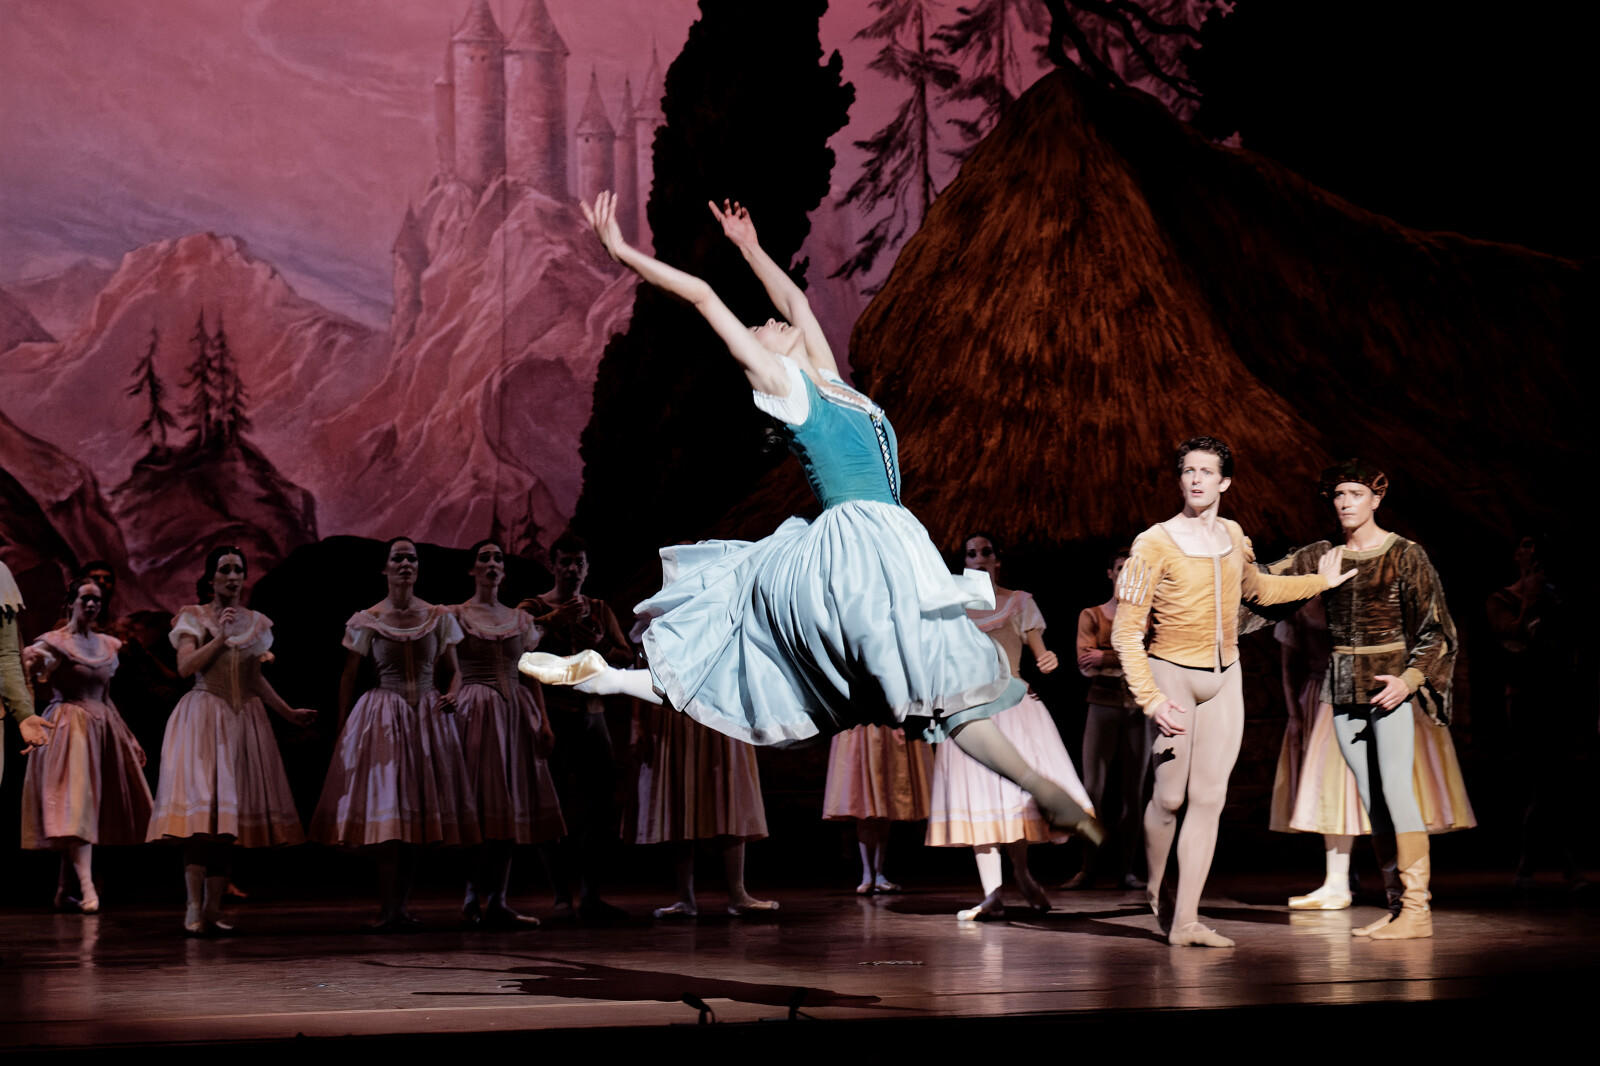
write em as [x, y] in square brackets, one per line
[822, 625]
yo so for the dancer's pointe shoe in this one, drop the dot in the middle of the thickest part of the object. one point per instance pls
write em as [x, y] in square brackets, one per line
[679, 909]
[865, 888]
[561, 669]
[90, 904]
[752, 906]
[1325, 898]
[882, 884]
[500, 915]
[991, 909]
[1197, 935]
[193, 923]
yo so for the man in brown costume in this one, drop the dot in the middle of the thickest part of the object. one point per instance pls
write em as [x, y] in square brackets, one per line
[16, 695]
[1393, 645]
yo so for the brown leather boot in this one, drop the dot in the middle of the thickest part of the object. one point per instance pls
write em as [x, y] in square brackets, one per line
[1416, 919]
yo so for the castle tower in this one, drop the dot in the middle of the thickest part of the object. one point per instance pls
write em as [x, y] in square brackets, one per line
[628, 168]
[647, 118]
[536, 102]
[478, 52]
[444, 114]
[410, 260]
[597, 158]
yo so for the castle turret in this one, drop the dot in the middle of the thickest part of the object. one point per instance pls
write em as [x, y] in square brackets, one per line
[410, 260]
[597, 159]
[628, 168]
[444, 114]
[478, 51]
[536, 102]
[647, 118]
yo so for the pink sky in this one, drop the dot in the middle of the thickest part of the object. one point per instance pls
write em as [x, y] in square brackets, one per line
[303, 126]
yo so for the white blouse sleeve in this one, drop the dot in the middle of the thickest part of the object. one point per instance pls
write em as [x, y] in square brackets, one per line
[793, 408]
[1030, 617]
[188, 624]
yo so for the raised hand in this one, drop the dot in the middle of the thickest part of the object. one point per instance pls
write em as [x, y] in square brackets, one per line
[1328, 567]
[602, 218]
[736, 224]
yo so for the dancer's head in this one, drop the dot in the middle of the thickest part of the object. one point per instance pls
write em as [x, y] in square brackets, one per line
[1355, 488]
[84, 601]
[488, 563]
[1115, 561]
[776, 335]
[982, 552]
[400, 562]
[1205, 470]
[223, 577]
[569, 563]
[100, 572]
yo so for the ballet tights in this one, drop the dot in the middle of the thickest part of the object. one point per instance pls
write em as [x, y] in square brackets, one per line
[1192, 768]
[614, 682]
[205, 880]
[78, 859]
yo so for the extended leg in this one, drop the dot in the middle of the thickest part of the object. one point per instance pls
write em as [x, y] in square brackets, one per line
[983, 740]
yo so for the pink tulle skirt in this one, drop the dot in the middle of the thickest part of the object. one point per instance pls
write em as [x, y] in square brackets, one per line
[1315, 791]
[515, 795]
[695, 784]
[974, 806]
[875, 772]
[397, 774]
[86, 784]
[221, 776]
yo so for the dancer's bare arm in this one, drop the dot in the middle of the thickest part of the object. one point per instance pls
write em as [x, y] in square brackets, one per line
[761, 367]
[785, 295]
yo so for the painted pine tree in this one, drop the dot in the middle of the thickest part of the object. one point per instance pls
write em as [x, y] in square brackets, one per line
[899, 167]
[996, 43]
[200, 409]
[1137, 44]
[147, 383]
[230, 419]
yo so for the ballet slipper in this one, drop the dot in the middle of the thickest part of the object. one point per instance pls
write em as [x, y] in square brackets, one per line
[865, 888]
[752, 906]
[679, 909]
[1197, 935]
[216, 888]
[883, 884]
[90, 904]
[500, 915]
[1326, 898]
[991, 908]
[550, 669]
[193, 923]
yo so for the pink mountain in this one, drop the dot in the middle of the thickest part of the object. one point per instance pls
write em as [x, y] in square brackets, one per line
[62, 301]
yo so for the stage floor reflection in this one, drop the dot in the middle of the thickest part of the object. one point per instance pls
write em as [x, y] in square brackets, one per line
[128, 977]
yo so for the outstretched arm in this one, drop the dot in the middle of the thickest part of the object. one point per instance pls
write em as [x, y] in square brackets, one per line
[781, 289]
[761, 367]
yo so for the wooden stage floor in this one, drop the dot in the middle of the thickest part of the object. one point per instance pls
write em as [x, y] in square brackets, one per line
[124, 978]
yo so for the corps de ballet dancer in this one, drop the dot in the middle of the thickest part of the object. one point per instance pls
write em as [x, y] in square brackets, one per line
[876, 776]
[977, 808]
[1389, 677]
[86, 786]
[222, 780]
[505, 738]
[1185, 579]
[398, 779]
[826, 624]
[15, 692]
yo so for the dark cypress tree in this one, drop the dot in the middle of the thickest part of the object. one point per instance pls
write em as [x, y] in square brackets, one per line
[229, 417]
[899, 166]
[200, 409]
[147, 383]
[673, 439]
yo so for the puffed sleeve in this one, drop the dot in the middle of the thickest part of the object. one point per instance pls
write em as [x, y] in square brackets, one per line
[1430, 634]
[531, 633]
[450, 631]
[794, 408]
[188, 624]
[1136, 587]
[358, 633]
[1031, 619]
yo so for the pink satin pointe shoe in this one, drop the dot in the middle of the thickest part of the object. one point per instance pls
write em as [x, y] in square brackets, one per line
[561, 669]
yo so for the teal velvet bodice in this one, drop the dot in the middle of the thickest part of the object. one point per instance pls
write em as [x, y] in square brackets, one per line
[848, 453]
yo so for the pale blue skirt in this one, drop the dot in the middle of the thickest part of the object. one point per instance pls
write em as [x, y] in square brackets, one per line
[822, 626]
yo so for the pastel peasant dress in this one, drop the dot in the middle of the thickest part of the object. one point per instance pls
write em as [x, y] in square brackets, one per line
[875, 771]
[823, 625]
[221, 775]
[694, 784]
[972, 805]
[86, 785]
[500, 723]
[398, 772]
